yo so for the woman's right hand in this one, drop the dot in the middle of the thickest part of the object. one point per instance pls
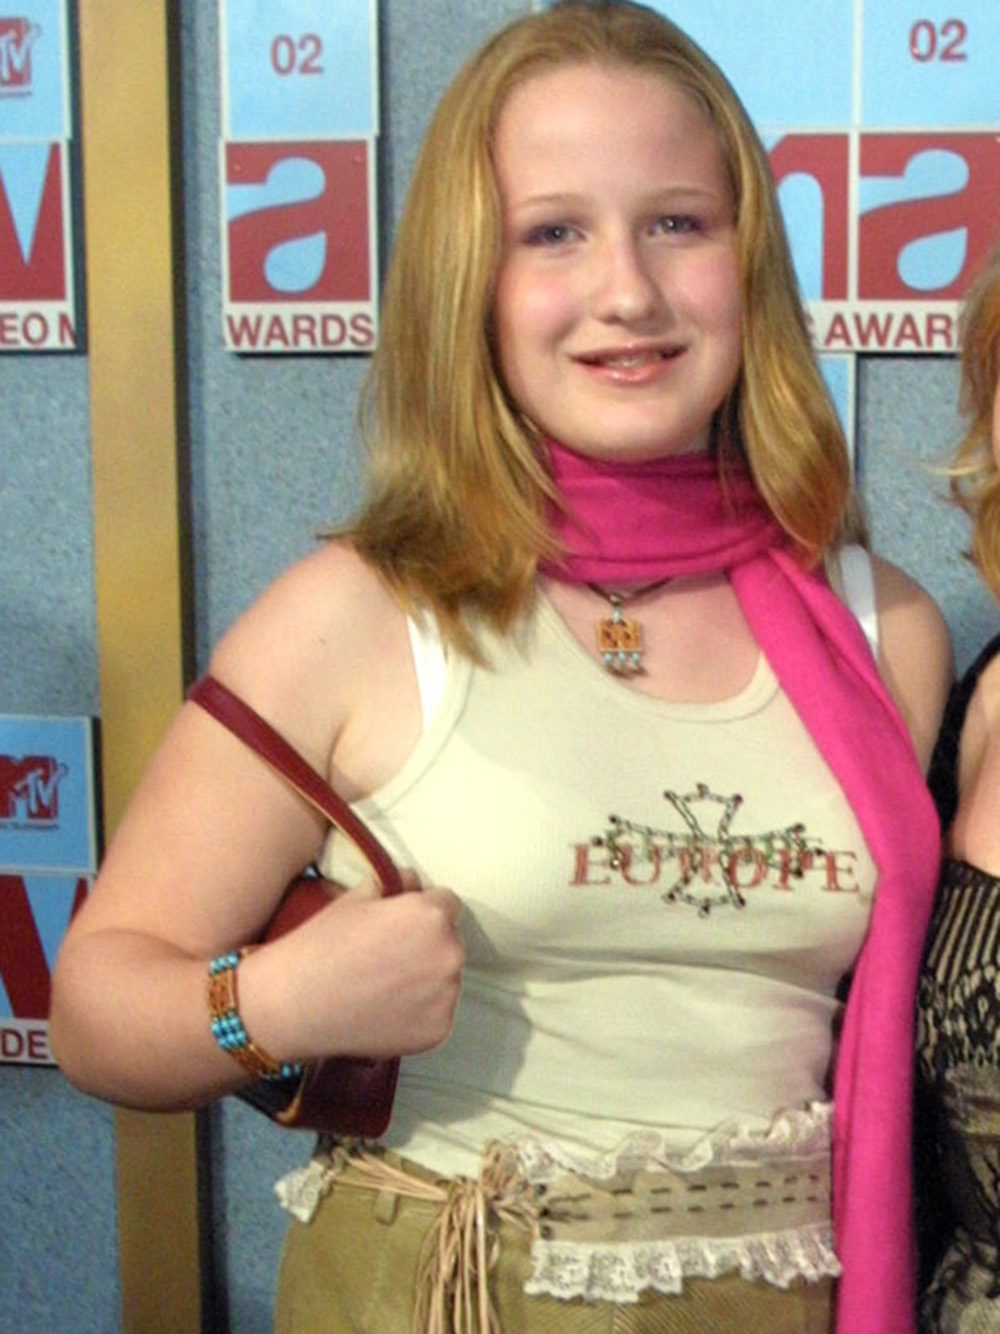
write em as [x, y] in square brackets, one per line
[364, 976]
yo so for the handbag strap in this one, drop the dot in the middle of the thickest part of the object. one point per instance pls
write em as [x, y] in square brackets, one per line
[234, 713]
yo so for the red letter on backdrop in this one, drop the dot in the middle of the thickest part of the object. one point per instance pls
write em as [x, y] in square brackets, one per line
[23, 965]
[41, 274]
[824, 158]
[340, 213]
[886, 231]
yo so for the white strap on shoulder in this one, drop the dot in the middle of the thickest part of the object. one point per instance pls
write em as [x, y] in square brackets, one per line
[430, 661]
[858, 580]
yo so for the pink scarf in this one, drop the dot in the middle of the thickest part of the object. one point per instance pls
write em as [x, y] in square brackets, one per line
[672, 517]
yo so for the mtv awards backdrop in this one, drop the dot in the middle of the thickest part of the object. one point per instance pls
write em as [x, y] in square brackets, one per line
[48, 856]
[37, 303]
[300, 120]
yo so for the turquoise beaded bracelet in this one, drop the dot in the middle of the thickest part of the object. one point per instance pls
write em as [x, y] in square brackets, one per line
[228, 1028]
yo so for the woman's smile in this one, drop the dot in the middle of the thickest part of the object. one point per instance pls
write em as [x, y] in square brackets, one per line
[633, 365]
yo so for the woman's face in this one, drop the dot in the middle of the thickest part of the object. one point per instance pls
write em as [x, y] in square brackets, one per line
[617, 314]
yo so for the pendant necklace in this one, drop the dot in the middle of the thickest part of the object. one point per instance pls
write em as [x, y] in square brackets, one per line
[619, 637]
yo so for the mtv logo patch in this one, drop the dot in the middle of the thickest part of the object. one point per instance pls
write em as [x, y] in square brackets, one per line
[17, 37]
[29, 787]
[47, 799]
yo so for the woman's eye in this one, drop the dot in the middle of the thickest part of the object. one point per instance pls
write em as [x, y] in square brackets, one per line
[678, 223]
[552, 234]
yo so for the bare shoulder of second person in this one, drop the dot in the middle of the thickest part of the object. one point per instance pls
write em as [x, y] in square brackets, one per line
[975, 832]
[915, 656]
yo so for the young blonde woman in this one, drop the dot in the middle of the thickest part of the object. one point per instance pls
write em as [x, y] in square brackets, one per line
[959, 1013]
[577, 661]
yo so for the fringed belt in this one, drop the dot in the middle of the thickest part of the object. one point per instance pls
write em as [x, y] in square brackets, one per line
[462, 1246]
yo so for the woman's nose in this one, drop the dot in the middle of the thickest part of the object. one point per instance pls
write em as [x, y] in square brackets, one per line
[625, 287]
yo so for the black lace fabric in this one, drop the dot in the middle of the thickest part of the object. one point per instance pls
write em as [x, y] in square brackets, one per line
[958, 1075]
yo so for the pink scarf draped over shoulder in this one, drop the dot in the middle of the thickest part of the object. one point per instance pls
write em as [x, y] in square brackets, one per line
[675, 517]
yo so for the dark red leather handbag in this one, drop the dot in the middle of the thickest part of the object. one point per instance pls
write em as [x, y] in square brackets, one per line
[339, 1095]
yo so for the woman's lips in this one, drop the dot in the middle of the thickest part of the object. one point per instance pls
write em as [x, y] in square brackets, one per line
[632, 364]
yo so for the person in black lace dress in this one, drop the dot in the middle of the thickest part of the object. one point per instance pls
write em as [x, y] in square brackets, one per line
[958, 1034]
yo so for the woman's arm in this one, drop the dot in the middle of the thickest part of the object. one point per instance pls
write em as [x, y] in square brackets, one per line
[212, 837]
[915, 656]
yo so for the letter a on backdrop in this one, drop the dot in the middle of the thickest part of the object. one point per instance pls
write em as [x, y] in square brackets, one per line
[300, 108]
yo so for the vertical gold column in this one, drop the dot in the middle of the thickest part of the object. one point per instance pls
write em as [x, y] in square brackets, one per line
[135, 383]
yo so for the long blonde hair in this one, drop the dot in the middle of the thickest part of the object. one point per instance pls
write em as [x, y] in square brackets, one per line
[456, 510]
[975, 478]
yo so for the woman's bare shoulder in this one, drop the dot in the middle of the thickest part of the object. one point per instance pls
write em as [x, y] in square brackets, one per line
[915, 654]
[308, 600]
[306, 651]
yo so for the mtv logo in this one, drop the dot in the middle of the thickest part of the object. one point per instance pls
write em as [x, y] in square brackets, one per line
[29, 788]
[17, 36]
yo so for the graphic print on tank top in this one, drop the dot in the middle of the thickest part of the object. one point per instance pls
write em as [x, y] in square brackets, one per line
[704, 863]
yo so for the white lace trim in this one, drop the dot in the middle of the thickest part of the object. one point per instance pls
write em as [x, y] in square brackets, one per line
[620, 1272]
[301, 1190]
[793, 1135]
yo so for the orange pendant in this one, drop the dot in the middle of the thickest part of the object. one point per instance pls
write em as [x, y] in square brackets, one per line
[619, 641]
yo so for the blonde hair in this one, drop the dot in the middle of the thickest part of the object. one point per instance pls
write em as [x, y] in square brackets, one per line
[456, 512]
[975, 479]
